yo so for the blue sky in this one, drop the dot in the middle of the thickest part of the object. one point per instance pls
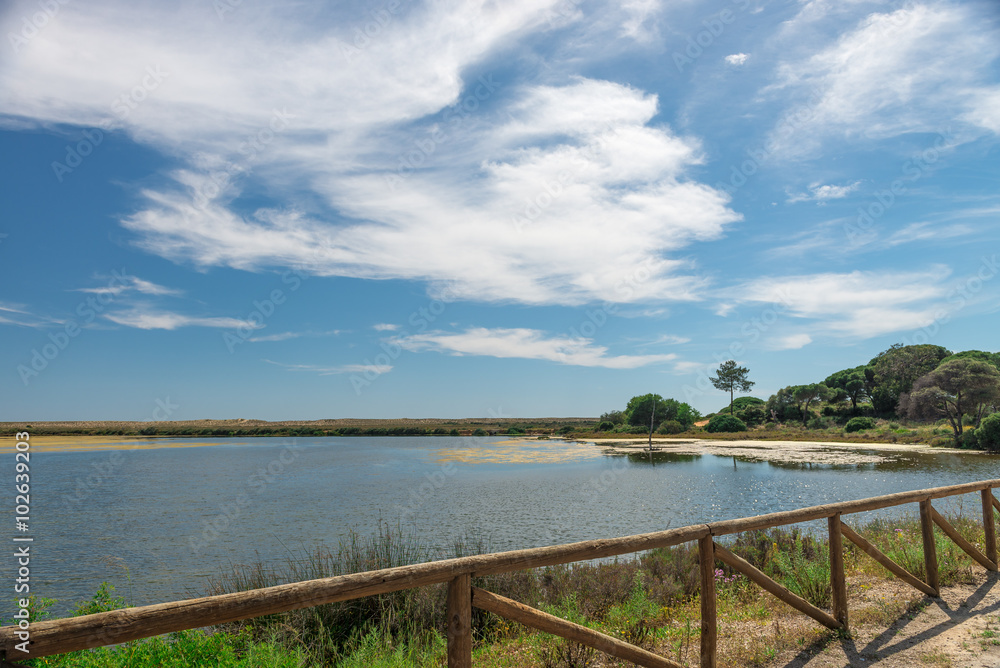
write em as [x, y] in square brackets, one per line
[452, 209]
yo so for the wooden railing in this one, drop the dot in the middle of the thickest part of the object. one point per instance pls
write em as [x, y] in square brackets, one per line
[107, 628]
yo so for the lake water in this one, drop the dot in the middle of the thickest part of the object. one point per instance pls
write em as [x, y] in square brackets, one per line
[175, 511]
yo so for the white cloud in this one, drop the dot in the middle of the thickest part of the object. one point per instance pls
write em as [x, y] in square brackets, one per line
[687, 367]
[909, 70]
[385, 327]
[123, 284]
[526, 344]
[640, 23]
[15, 314]
[790, 342]
[859, 304]
[821, 193]
[523, 182]
[737, 59]
[140, 318]
[925, 231]
[336, 370]
[285, 336]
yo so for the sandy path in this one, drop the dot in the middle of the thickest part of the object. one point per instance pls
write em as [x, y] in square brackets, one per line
[961, 629]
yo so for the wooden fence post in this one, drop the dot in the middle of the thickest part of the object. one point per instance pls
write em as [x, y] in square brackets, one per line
[460, 622]
[930, 551]
[838, 581]
[990, 526]
[709, 624]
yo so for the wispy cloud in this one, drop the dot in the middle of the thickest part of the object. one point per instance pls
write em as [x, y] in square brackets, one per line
[15, 314]
[385, 327]
[925, 231]
[285, 336]
[859, 304]
[737, 59]
[902, 71]
[124, 284]
[526, 344]
[821, 193]
[335, 370]
[141, 318]
[486, 184]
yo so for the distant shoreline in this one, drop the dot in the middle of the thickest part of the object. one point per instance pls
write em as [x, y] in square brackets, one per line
[326, 427]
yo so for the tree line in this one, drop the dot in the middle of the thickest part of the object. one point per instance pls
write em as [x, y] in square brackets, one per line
[917, 382]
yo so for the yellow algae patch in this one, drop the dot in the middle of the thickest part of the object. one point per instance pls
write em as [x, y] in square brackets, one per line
[520, 452]
[89, 443]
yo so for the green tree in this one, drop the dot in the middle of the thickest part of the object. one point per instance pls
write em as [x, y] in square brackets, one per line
[796, 400]
[852, 382]
[981, 355]
[730, 378]
[652, 410]
[957, 388]
[895, 370]
[614, 417]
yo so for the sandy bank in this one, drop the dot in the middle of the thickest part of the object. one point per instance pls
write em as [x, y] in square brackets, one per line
[791, 452]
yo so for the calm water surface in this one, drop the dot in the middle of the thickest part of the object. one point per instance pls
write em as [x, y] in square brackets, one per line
[168, 517]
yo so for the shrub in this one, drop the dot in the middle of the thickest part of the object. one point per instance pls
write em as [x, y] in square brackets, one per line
[970, 438]
[727, 423]
[752, 415]
[820, 423]
[988, 434]
[670, 427]
[606, 426]
[479, 432]
[859, 424]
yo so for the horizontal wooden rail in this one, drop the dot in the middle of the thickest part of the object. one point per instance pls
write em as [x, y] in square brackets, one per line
[65, 635]
[543, 621]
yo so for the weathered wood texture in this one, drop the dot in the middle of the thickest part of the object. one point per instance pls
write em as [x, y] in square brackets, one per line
[930, 549]
[838, 580]
[769, 585]
[542, 621]
[891, 565]
[709, 622]
[460, 622]
[990, 526]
